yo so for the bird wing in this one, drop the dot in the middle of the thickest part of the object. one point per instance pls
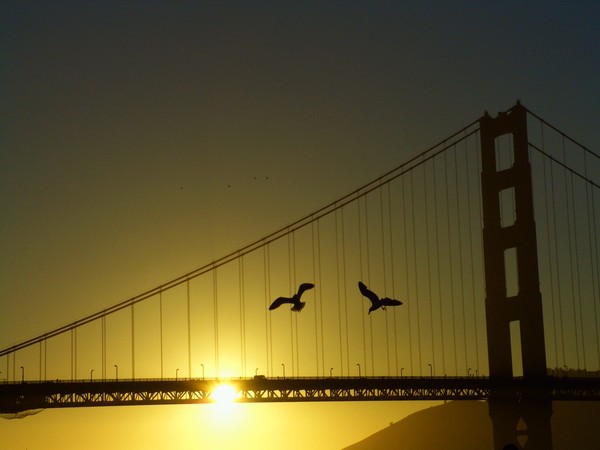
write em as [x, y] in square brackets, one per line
[390, 302]
[304, 287]
[280, 301]
[364, 290]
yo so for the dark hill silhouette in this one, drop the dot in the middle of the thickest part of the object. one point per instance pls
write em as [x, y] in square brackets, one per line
[464, 425]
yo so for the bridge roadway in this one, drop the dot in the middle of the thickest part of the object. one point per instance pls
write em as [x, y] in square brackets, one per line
[30, 395]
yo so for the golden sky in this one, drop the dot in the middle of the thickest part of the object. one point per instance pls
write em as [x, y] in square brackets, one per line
[141, 141]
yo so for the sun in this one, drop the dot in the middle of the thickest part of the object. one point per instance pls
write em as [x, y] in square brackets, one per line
[224, 393]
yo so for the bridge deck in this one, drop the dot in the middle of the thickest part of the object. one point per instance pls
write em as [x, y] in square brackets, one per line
[16, 397]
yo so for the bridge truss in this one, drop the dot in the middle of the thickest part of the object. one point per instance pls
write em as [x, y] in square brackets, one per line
[19, 397]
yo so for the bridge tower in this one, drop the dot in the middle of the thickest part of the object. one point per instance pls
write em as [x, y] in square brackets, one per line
[513, 316]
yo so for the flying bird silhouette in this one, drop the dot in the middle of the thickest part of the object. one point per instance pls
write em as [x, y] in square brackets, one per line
[376, 302]
[295, 299]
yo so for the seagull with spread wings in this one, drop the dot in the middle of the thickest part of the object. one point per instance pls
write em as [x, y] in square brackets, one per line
[376, 302]
[297, 305]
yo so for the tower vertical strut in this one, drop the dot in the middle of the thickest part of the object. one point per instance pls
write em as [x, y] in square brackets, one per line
[524, 308]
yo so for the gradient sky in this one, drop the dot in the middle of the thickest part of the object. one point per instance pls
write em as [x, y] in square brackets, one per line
[136, 137]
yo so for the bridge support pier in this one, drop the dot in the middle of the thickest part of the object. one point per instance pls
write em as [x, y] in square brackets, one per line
[513, 318]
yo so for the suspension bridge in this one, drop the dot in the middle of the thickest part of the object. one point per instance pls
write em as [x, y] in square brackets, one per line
[489, 238]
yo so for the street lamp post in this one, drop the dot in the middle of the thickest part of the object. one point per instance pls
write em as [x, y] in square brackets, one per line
[283, 366]
[202, 371]
[430, 370]
[469, 372]
[91, 375]
[176, 374]
[359, 375]
[256, 371]
[22, 374]
[331, 372]
[401, 370]
[116, 372]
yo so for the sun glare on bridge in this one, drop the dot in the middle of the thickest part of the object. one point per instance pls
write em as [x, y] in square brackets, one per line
[224, 393]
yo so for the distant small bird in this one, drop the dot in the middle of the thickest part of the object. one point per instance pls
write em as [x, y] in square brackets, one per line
[295, 300]
[376, 302]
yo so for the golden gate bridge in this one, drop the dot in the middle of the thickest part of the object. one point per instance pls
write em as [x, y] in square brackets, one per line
[490, 239]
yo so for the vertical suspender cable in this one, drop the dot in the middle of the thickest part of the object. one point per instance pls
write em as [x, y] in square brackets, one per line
[160, 311]
[189, 328]
[591, 219]
[408, 306]
[103, 325]
[75, 352]
[242, 314]
[471, 255]
[568, 218]
[72, 354]
[320, 295]
[314, 267]
[291, 289]
[558, 259]
[216, 320]
[479, 206]
[578, 273]
[428, 257]
[460, 258]
[345, 290]
[392, 269]
[549, 244]
[132, 341]
[267, 302]
[360, 257]
[414, 237]
[437, 259]
[450, 263]
[339, 296]
[369, 279]
[382, 231]
[295, 284]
